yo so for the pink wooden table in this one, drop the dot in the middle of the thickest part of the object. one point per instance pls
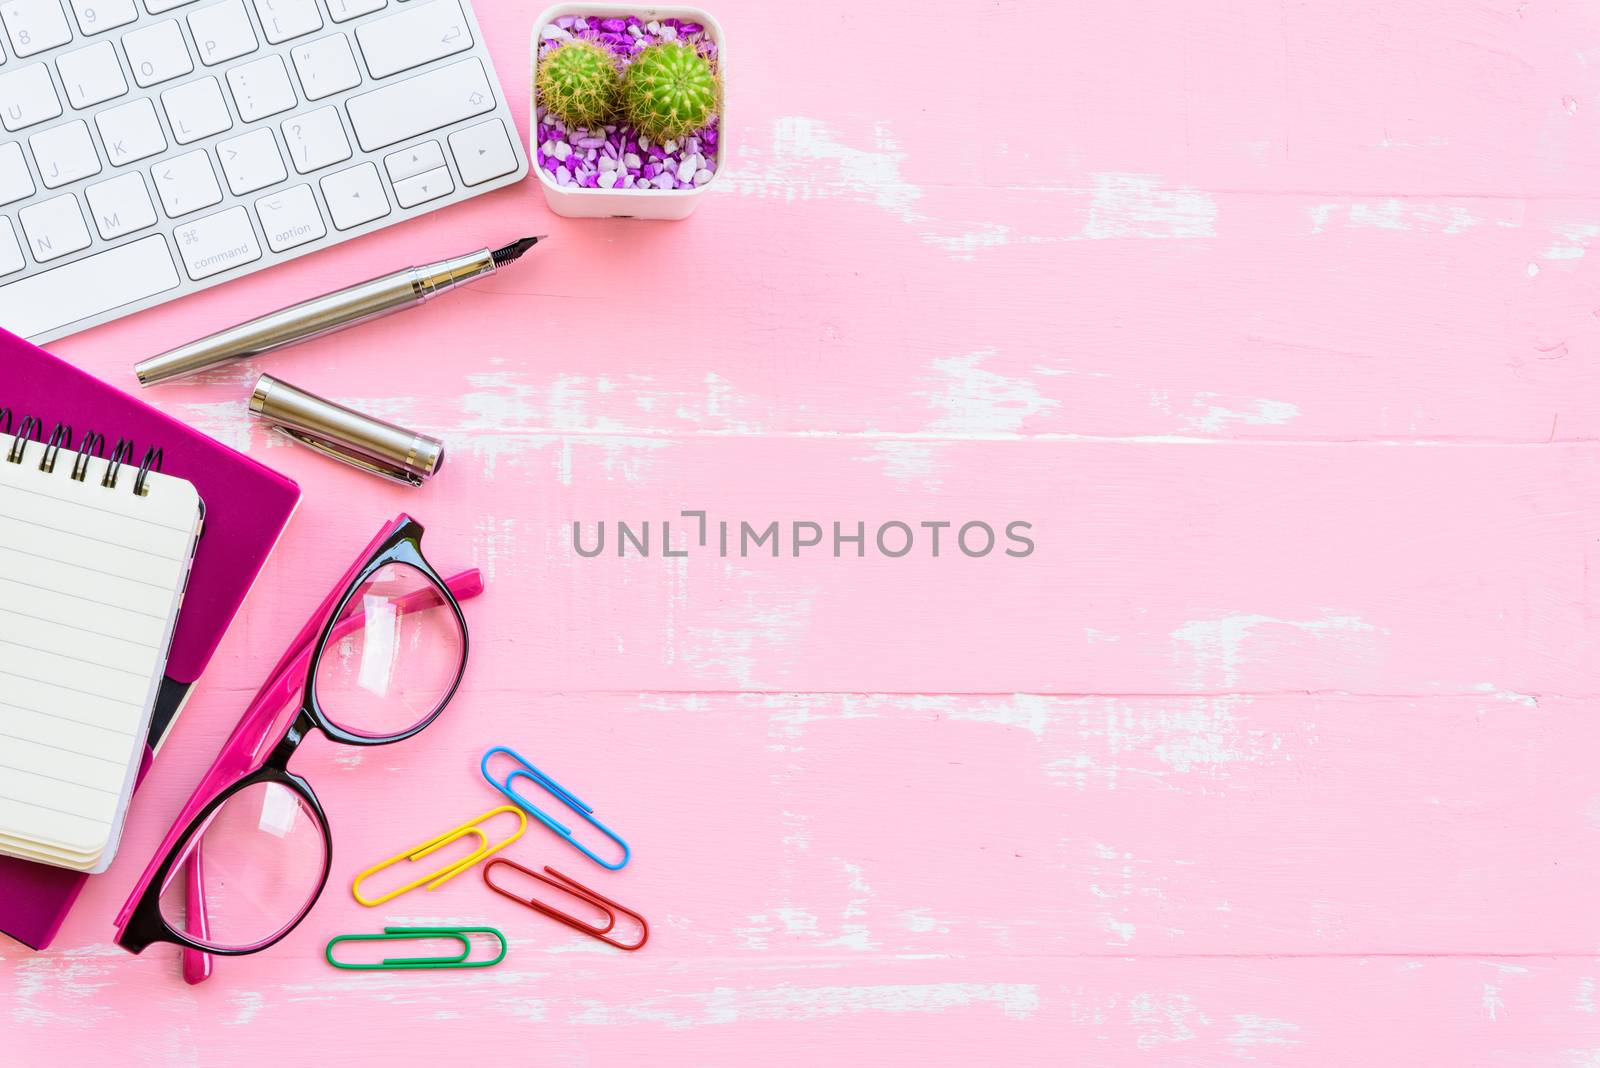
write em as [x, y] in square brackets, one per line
[1280, 327]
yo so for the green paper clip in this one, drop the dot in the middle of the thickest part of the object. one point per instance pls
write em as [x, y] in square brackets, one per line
[395, 934]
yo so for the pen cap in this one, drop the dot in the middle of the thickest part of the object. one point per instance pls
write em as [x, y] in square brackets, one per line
[358, 439]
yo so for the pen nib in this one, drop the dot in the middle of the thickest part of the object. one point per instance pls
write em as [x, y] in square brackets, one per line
[513, 252]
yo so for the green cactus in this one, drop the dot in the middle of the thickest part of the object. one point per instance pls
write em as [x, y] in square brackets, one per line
[670, 90]
[579, 83]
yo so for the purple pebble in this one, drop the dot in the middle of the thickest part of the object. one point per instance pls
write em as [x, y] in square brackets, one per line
[591, 142]
[690, 27]
[650, 170]
[614, 25]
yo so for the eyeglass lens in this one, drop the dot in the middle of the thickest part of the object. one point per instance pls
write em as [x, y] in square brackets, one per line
[392, 656]
[262, 856]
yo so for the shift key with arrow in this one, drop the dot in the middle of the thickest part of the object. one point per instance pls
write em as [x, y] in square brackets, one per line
[437, 98]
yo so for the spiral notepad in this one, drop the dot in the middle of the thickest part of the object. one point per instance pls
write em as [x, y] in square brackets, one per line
[95, 550]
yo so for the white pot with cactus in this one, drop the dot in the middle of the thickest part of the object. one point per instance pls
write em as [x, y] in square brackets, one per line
[628, 107]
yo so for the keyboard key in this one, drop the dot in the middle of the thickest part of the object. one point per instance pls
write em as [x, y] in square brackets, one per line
[315, 139]
[64, 154]
[11, 259]
[414, 160]
[98, 16]
[483, 152]
[217, 243]
[326, 66]
[426, 102]
[417, 34]
[355, 196]
[157, 53]
[15, 181]
[27, 96]
[421, 188]
[91, 75]
[34, 25]
[130, 132]
[222, 32]
[290, 218]
[284, 20]
[261, 88]
[156, 7]
[186, 183]
[251, 162]
[345, 10]
[54, 228]
[88, 287]
[121, 206]
[195, 110]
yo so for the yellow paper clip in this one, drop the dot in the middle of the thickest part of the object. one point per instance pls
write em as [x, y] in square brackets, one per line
[433, 845]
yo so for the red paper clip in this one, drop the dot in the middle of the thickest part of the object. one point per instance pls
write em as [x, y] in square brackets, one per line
[577, 890]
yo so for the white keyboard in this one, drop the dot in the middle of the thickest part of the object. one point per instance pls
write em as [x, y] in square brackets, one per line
[152, 148]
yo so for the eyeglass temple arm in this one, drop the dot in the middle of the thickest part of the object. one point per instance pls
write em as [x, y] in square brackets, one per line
[463, 585]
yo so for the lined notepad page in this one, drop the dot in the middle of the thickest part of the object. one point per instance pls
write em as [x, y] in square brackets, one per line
[91, 579]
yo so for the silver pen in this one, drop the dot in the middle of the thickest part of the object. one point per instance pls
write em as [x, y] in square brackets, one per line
[312, 318]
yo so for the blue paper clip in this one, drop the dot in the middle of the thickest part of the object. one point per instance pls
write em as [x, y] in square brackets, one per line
[562, 794]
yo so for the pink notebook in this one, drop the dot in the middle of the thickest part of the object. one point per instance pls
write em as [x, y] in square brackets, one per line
[246, 508]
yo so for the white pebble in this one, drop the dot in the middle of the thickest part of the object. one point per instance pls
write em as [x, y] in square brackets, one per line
[561, 150]
[687, 168]
[670, 147]
[590, 155]
[669, 33]
[548, 147]
[608, 179]
[664, 180]
[553, 32]
[562, 177]
[702, 177]
[607, 163]
[694, 145]
[642, 183]
[635, 30]
[644, 142]
[653, 26]
[632, 161]
[580, 24]
[628, 182]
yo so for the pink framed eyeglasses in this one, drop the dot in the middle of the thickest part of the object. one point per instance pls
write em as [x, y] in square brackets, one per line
[377, 663]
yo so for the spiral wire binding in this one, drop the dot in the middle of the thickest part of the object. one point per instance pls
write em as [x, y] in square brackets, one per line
[91, 446]
[60, 437]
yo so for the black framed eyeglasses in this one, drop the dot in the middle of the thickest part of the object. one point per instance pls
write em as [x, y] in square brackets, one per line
[377, 663]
